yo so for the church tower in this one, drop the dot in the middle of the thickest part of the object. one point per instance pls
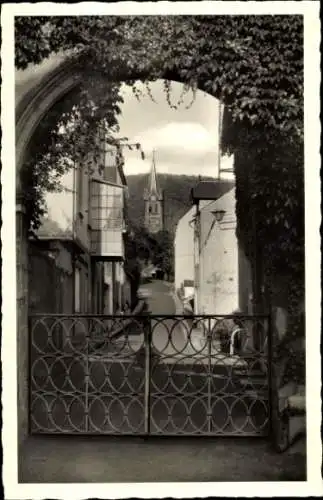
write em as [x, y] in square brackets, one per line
[154, 217]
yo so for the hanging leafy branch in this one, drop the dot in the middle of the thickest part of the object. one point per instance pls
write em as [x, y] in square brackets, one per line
[63, 140]
[253, 63]
[98, 47]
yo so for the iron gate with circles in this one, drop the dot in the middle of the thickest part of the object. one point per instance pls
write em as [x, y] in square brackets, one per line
[149, 375]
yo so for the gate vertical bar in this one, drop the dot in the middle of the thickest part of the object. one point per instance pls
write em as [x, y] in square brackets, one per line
[87, 375]
[30, 349]
[147, 334]
[209, 365]
[272, 396]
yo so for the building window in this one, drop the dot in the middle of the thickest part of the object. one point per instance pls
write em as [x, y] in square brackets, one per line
[197, 275]
[85, 292]
[79, 188]
[77, 291]
[153, 208]
[107, 219]
[108, 159]
[81, 289]
[110, 165]
[98, 271]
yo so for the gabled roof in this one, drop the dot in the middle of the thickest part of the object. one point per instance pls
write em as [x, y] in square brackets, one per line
[210, 190]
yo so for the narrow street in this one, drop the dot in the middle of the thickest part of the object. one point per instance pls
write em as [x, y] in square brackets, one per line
[160, 298]
[168, 336]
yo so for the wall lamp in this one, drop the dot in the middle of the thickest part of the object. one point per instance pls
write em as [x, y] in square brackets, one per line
[218, 215]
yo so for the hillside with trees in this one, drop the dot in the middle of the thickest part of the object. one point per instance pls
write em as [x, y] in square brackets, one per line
[176, 189]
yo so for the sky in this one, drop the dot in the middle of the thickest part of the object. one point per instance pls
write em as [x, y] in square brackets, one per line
[185, 140]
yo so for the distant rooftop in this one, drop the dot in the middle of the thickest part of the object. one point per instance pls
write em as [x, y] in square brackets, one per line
[210, 190]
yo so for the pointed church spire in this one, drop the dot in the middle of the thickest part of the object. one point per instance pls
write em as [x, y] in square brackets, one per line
[153, 177]
[154, 209]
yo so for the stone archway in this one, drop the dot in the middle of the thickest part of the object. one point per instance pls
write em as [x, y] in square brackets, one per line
[37, 91]
[36, 96]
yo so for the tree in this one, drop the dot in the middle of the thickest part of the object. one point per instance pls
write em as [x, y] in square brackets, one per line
[163, 254]
[132, 267]
[139, 246]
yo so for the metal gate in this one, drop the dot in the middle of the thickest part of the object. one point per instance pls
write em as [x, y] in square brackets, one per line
[149, 375]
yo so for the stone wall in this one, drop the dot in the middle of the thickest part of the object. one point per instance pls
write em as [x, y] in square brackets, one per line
[22, 322]
[50, 280]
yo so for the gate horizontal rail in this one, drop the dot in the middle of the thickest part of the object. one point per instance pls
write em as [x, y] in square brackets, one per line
[150, 315]
[162, 375]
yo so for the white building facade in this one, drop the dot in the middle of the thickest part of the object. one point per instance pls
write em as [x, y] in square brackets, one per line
[216, 257]
[184, 249]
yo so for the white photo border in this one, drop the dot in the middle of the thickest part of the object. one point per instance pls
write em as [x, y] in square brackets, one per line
[313, 485]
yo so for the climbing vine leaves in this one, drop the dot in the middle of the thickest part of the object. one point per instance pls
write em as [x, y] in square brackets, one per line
[253, 64]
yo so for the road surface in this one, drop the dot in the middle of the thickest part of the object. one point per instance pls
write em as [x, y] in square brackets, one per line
[168, 336]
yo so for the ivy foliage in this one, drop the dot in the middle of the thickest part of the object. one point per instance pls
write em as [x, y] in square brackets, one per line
[270, 206]
[142, 246]
[162, 252]
[253, 64]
